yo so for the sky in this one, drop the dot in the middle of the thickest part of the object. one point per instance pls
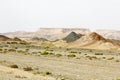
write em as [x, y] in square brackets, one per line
[29, 15]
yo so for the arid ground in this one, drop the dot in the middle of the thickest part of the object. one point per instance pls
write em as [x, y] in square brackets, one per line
[74, 57]
[58, 63]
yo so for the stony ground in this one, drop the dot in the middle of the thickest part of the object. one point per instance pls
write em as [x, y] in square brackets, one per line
[82, 68]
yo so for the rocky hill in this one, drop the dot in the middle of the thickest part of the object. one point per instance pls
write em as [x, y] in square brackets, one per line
[72, 37]
[59, 33]
[48, 33]
[94, 41]
[109, 34]
[4, 38]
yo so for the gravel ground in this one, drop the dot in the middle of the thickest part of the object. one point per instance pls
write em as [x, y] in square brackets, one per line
[69, 68]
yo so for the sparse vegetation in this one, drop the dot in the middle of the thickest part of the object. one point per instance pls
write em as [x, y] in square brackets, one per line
[21, 51]
[111, 58]
[73, 52]
[47, 47]
[35, 73]
[18, 76]
[44, 53]
[45, 58]
[91, 57]
[78, 58]
[58, 55]
[118, 79]
[11, 50]
[117, 60]
[14, 66]
[1, 49]
[68, 49]
[27, 50]
[47, 72]
[27, 68]
[62, 78]
[104, 57]
[71, 55]
[98, 53]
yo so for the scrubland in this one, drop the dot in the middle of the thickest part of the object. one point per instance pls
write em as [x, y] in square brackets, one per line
[32, 62]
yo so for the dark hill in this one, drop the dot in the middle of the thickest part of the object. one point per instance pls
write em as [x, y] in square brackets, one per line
[72, 37]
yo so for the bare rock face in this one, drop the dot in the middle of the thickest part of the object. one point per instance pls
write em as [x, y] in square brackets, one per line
[96, 36]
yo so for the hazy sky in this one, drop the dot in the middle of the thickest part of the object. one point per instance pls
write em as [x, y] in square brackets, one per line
[30, 15]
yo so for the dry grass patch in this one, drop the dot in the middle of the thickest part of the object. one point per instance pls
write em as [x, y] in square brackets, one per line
[111, 58]
[18, 76]
[60, 78]
[118, 79]
[98, 53]
[91, 57]
[58, 55]
[35, 73]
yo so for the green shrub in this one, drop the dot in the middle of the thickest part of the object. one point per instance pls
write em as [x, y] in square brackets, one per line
[1, 49]
[44, 53]
[91, 57]
[48, 72]
[71, 55]
[47, 47]
[21, 51]
[11, 50]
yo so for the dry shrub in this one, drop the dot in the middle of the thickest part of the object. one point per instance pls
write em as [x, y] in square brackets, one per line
[27, 68]
[111, 58]
[14, 66]
[71, 55]
[58, 55]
